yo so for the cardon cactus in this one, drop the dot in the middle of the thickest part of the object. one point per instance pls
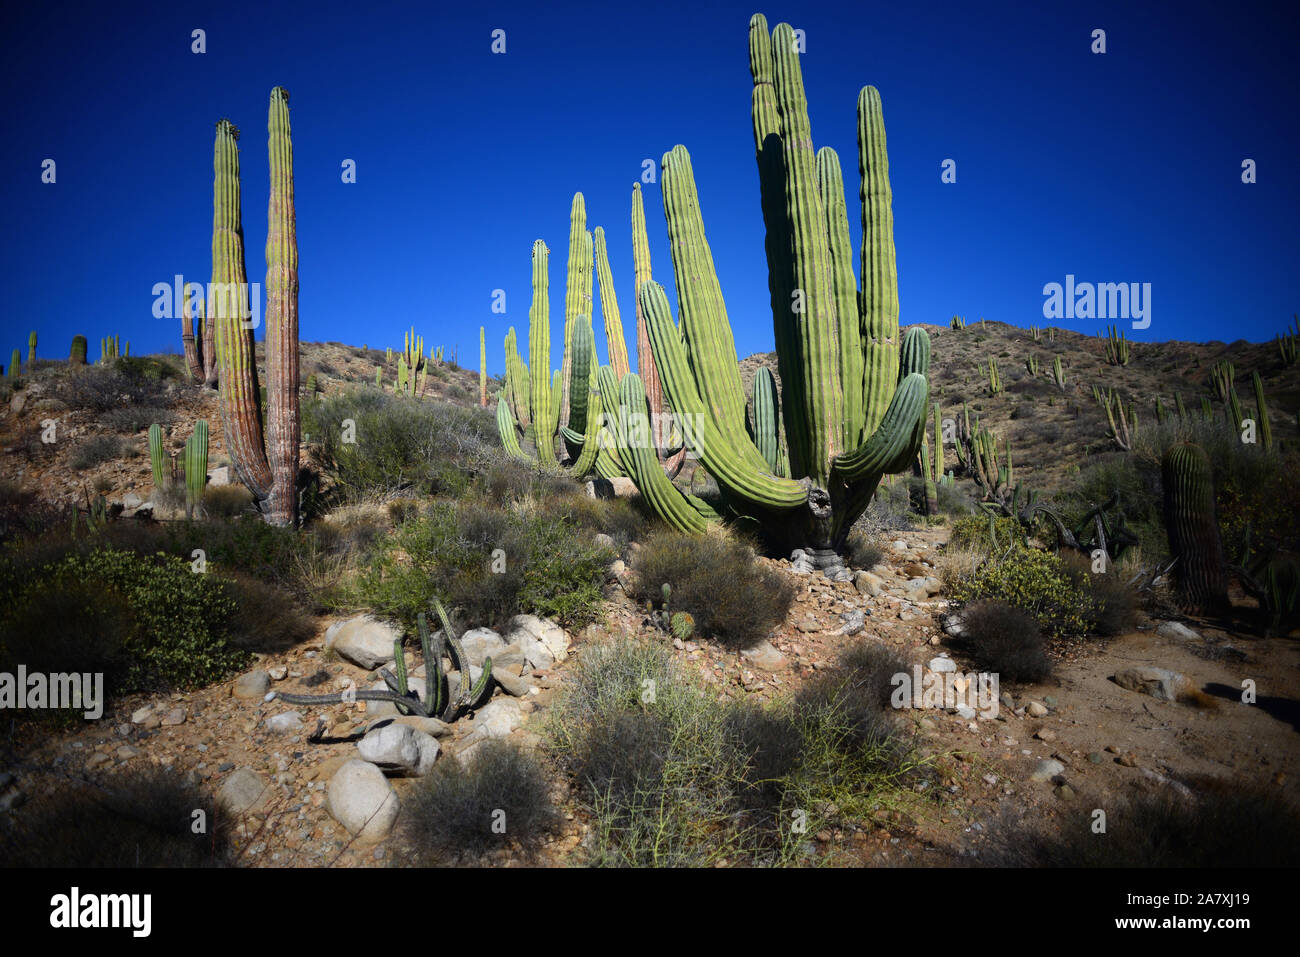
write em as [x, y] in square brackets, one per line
[855, 398]
[1058, 373]
[31, 347]
[614, 341]
[200, 350]
[196, 466]
[1265, 430]
[995, 378]
[15, 361]
[544, 394]
[157, 458]
[766, 425]
[482, 367]
[77, 354]
[267, 467]
[1117, 347]
[1194, 540]
[957, 322]
[577, 300]
[1221, 378]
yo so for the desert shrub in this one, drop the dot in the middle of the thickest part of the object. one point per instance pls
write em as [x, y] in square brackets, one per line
[1036, 582]
[618, 518]
[890, 510]
[861, 550]
[425, 446]
[1005, 640]
[952, 500]
[94, 451]
[265, 619]
[550, 568]
[131, 418]
[1113, 603]
[139, 818]
[227, 501]
[147, 622]
[1226, 823]
[450, 817]
[981, 534]
[732, 597]
[127, 381]
[674, 775]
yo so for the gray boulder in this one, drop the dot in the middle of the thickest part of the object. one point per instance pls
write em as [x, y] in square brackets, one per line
[360, 798]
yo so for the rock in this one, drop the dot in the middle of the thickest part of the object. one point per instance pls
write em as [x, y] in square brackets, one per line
[1176, 630]
[1036, 709]
[943, 665]
[1065, 792]
[173, 717]
[854, 622]
[1045, 734]
[1094, 757]
[480, 643]
[251, 686]
[1008, 702]
[497, 719]
[1049, 701]
[618, 569]
[601, 540]
[431, 726]
[244, 791]
[898, 545]
[619, 487]
[764, 656]
[966, 713]
[542, 642]
[1183, 790]
[808, 626]
[139, 714]
[219, 476]
[18, 403]
[131, 500]
[1046, 769]
[278, 674]
[511, 684]
[1128, 760]
[801, 563]
[868, 584]
[510, 659]
[360, 798]
[399, 749]
[363, 640]
[285, 723]
[1159, 683]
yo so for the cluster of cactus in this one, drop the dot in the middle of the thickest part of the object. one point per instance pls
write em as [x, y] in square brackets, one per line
[977, 451]
[408, 381]
[196, 466]
[1222, 375]
[1031, 364]
[1194, 541]
[77, 352]
[413, 350]
[1058, 373]
[957, 322]
[1121, 420]
[855, 398]
[1117, 347]
[268, 466]
[438, 700]
[1036, 332]
[200, 350]
[111, 348]
[994, 377]
[1288, 344]
[932, 464]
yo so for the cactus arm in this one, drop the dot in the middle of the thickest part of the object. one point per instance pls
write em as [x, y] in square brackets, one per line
[539, 350]
[609, 312]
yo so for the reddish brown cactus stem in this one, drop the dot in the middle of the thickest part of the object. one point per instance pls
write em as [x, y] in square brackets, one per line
[281, 319]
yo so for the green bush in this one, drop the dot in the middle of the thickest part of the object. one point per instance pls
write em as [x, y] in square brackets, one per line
[149, 623]
[732, 597]
[1036, 582]
[1006, 641]
[545, 566]
[401, 444]
[979, 534]
[95, 450]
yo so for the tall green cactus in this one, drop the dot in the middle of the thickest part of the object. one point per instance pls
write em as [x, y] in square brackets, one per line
[1221, 377]
[482, 367]
[196, 466]
[1031, 364]
[1117, 347]
[77, 353]
[157, 456]
[1194, 540]
[15, 363]
[268, 466]
[577, 297]
[994, 377]
[615, 343]
[31, 348]
[1058, 373]
[766, 423]
[1261, 412]
[854, 398]
[957, 322]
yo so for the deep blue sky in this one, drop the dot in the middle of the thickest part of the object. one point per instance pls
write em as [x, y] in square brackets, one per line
[1117, 167]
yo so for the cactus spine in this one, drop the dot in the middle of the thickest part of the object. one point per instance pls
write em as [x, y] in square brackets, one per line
[196, 466]
[1193, 531]
[77, 354]
[268, 467]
